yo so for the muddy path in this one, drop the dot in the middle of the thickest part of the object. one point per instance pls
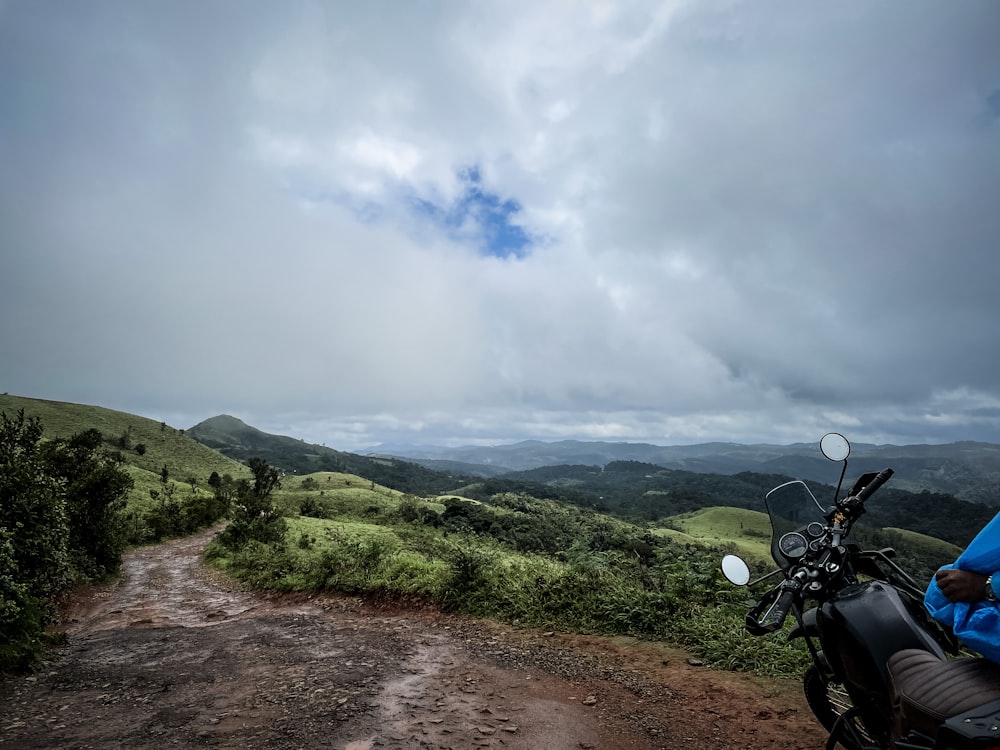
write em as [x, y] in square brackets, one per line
[173, 655]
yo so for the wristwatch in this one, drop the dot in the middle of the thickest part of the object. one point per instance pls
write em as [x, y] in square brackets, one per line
[988, 590]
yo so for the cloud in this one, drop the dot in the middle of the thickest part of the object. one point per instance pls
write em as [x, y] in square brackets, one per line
[353, 223]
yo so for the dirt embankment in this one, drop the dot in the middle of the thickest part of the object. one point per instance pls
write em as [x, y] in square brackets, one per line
[174, 656]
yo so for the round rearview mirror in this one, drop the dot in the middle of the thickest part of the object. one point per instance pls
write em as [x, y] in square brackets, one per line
[735, 570]
[835, 446]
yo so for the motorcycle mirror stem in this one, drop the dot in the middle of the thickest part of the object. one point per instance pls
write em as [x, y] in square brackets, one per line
[836, 448]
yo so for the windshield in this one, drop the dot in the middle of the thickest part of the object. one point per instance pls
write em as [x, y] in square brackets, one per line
[791, 507]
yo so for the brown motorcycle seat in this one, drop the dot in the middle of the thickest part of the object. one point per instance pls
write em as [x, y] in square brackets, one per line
[930, 690]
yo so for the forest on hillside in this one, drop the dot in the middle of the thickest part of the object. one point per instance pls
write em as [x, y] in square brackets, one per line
[645, 492]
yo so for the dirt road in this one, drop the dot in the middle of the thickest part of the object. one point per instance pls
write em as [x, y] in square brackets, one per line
[175, 656]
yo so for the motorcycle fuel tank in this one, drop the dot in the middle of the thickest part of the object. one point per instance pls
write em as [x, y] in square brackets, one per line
[861, 627]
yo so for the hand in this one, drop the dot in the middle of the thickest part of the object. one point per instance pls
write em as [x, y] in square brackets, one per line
[961, 585]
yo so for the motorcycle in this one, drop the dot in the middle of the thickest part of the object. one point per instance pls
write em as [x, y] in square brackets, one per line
[868, 619]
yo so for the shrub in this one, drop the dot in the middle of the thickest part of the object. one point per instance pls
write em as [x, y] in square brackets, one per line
[312, 508]
[95, 487]
[409, 509]
[61, 519]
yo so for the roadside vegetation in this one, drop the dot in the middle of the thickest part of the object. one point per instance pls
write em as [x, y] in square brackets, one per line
[78, 486]
[524, 560]
[61, 523]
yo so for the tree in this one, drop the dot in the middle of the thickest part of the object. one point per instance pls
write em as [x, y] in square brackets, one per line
[254, 514]
[95, 486]
[32, 511]
[125, 439]
[224, 490]
[266, 478]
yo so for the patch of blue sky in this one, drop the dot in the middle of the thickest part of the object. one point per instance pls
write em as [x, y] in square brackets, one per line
[482, 216]
[477, 216]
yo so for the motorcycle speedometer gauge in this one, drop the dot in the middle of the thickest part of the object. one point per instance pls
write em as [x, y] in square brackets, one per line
[793, 545]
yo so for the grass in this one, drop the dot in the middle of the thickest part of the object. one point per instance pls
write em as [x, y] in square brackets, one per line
[933, 548]
[746, 532]
[167, 446]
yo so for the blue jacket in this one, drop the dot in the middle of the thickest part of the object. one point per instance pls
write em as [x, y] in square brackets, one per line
[977, 625]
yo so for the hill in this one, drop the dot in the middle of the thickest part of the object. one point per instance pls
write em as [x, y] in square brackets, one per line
[238, 440]
[747, 531]
[650, 493]
[147, 445]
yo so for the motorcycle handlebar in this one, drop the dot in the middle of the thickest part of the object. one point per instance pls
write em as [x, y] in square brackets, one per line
[869, 489]
[775, 615]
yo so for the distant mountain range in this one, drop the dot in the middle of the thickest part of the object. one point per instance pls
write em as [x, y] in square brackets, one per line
[967, 470]
[636, 480]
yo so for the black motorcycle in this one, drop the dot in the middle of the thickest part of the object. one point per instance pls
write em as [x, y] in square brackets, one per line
[880, 677]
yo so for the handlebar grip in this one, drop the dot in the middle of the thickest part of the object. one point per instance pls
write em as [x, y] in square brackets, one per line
[869, 489]
[774, 618]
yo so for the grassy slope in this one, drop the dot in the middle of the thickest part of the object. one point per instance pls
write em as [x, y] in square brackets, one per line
[748, 531]
[183, 456]
[935, 548]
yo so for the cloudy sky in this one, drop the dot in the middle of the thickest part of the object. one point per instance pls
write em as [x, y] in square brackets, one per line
[475, 222]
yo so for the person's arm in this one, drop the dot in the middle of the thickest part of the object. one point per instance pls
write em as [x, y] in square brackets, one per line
[964, 586]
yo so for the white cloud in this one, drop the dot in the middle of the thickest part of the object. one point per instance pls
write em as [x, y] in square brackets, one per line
[750, 221]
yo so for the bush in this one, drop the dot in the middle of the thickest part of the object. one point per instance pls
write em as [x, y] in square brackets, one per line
[605, 577]
[313, 508]
[95, 486]
[61, 520]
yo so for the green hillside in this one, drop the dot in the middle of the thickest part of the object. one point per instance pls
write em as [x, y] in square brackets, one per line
[240, 441]
[162, 445]
[747, 532]
[927, 544]
[646, 492]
